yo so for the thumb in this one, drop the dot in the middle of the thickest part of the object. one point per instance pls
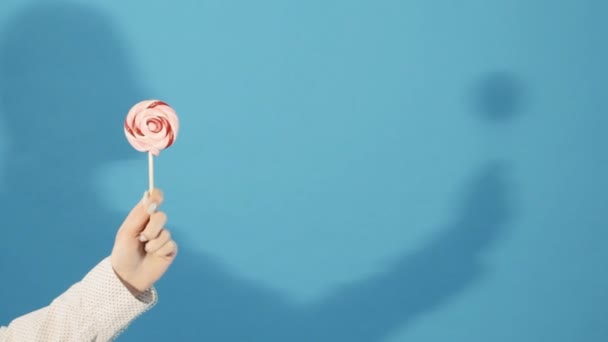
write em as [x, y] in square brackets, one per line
[140, 214]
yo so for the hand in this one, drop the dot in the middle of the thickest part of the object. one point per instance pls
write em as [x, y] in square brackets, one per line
[143, 249]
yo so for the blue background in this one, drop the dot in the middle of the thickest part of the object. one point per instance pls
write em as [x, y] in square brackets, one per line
[345, 171]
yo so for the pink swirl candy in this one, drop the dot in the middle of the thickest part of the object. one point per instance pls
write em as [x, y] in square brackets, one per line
[151, 126]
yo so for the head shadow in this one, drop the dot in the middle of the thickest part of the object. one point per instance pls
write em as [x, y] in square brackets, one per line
[65, 86]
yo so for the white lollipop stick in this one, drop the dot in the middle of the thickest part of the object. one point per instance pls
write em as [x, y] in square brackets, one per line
[151, 170]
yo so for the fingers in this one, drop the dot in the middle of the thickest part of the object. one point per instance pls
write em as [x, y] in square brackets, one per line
[153, 228]
[168, 250]
[140, 214]
[162, 246]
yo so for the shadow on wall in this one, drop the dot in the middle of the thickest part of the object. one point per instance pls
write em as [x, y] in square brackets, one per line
[64, 92]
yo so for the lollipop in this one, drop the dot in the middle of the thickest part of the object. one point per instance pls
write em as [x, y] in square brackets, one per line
[151, 126]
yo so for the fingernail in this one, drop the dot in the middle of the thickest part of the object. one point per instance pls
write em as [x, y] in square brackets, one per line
[152, 208]
[145, 198]
[142, 238]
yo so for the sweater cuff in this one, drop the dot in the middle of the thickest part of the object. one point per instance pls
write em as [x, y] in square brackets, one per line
[110, 302]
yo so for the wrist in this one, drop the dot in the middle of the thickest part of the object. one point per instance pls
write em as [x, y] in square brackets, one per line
[136, 292]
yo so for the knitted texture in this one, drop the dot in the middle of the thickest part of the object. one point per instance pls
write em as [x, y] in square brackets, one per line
[98, 308]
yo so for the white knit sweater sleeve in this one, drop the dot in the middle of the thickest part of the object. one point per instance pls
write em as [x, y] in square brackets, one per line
[98, 308]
